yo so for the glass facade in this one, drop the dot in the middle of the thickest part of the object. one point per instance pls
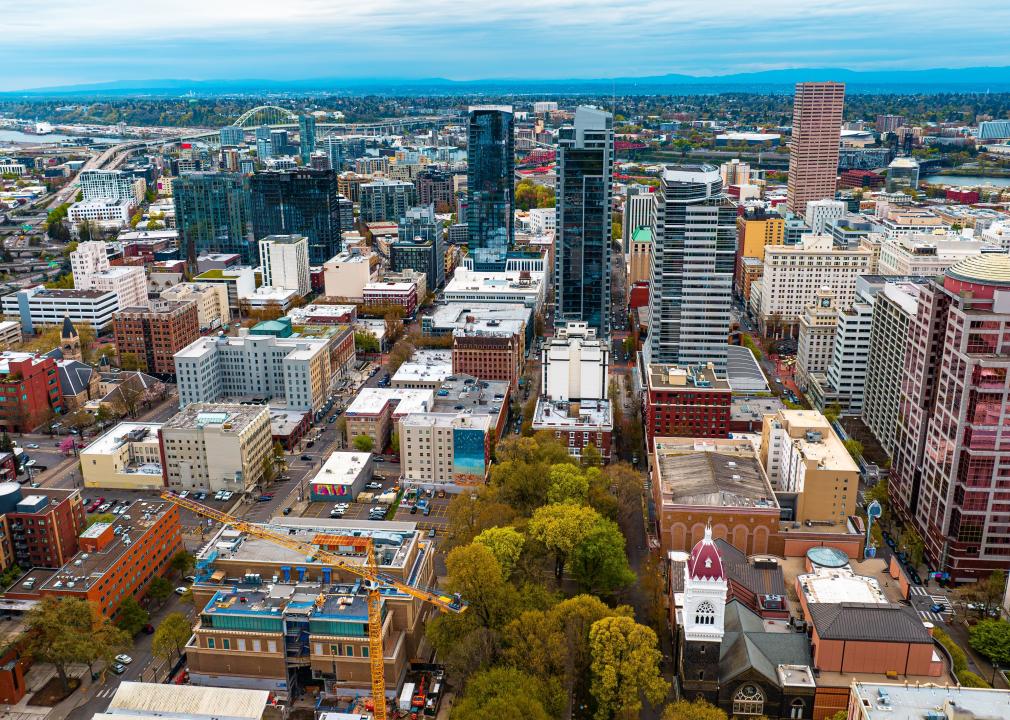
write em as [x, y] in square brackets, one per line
[469, 452]
[490, 185]
[212, 215]
[582, 256]
[424, 256]
[306, 137]
[299, 202]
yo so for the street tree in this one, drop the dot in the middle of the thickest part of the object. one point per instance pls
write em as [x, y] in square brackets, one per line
[132, 617]
[182, 562]
[567, 483]
[561, 527]
[505, 543]
[624, 667]
[991, 638]
[599, 562]
[171, 636]
[159, 590]
[364, 443]
[505, 692]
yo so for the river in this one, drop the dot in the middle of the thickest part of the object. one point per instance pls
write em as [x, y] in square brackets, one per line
[16, 136]
[967, 180]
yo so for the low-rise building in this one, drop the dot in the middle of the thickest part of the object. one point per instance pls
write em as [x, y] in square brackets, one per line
[424, 369]
[42, 525]
[127, 457]
[385, 293]
[686, 402]
[342, 476]
[493, 353]
[239, 281]
[515, 318]
[105, 212]
[212, 307]
[577, 424]
[39, 306]
[346, 274]
[374, 412]
[10, 334]
[815, 478]
[904, 701]
[30, 390]
[470, 286]
[154, 334]
[139, 700]
[213, 447]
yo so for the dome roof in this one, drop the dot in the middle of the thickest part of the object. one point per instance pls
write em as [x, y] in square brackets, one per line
[986, 269]
[705, 562]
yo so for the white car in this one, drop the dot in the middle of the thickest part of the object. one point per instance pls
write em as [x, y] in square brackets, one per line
[181, 590]
[184, 493]
[219, 495]
[124, 659]
[226, 495]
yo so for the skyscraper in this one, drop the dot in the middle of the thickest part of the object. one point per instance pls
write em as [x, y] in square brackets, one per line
[212, 215]
[813, 150]
[306, 137]
[582, 245]
[490, 185]
[299, 202]
[692, 268]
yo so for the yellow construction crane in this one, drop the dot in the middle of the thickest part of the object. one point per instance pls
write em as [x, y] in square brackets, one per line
[369, 572]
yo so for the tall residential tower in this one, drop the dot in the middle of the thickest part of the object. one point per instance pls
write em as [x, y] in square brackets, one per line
[490, 185]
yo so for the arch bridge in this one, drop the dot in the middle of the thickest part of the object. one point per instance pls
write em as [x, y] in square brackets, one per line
[265, 115]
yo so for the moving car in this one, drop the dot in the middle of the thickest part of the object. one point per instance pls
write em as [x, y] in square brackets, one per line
[937, 608]
[32, 446]
[306, 458]
[286, 511]
[181, 590]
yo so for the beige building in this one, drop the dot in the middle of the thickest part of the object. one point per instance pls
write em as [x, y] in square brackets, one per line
[640, 256]
[214, 447]
[793, 274]
[808, 466]
[816, 336]
[10, 334]
[375, 412]
[127, 457]
[346, 274]
[927, 255]
[813, 147]
[211, 299]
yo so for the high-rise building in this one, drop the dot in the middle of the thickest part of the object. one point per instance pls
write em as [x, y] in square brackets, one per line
[384, 200]
[584, 192]
[816, 336]
[299, 202]
[903, 174]
[285, 261]
[231, 135]
[813, 151]
[92, 271]
[947, 476]
[638, 206]
[280, 142]
[212, 215]
[423, 255]
[434, 187]
[490, 185]
[889, 123]
[821, 213]
[306, 137]
[692, 269]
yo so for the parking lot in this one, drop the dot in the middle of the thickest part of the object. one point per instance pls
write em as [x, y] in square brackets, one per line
[437, 518]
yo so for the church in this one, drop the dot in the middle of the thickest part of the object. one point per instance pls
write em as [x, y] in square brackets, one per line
[729, 655]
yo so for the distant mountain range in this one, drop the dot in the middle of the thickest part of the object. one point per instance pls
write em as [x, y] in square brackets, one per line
[976, 79]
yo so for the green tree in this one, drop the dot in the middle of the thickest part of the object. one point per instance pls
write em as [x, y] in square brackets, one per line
[159, 590]
[505, 543]
[6, 444]
[699, 709]
[991, 638]
[132, 617]
[591, 456]
[471, 514]
[171, 636]
[182, 562]
[64, 631]
[832, 412]
[131, 361]
[854, 447]
[365, 341]
[567, 483]
[505, 692]
[394, 442]
[561, 527]
[599, 563]
[986, 594]
[364, 443]
[624, 667]
[971, 680]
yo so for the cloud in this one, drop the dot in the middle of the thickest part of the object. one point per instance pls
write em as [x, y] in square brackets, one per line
[66, 41]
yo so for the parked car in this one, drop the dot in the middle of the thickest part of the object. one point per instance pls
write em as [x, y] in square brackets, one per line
[287, 510]
[374, 486]
[307, 458]
[431, 533]
[125, 659]
[426, 511]
[937, 608]
[181, 590]
[337, 512]
[118, 668]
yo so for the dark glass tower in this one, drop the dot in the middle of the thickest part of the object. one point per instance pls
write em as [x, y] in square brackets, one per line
[490, 185]
[584, 190]
[212, 215]
[299, 202]
[306, 137]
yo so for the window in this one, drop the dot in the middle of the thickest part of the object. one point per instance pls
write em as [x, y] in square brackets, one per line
[350, 650]
[210, 643]
[749, 700]
[704, 614]
[796, 709]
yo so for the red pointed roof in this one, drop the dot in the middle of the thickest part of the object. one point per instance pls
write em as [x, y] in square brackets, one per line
[705, 562]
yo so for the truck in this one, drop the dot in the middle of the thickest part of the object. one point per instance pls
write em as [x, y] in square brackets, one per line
[406, 695]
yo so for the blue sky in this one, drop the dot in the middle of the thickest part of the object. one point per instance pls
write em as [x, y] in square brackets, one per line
[60, 42]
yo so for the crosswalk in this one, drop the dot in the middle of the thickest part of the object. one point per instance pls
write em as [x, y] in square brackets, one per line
[929, 615]
[107, 692]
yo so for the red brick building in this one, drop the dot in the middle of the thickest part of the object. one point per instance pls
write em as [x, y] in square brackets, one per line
[156, 333]
[489, 356]
[966, 197]
[44, 526]
[577, 425]
[686, 402]
[29, 391]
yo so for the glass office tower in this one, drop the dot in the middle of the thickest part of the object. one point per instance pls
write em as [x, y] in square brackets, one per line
[490, 185]
[212, 215]
[299, 202]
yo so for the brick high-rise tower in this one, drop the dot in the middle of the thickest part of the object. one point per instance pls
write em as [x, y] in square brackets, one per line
[813, 150]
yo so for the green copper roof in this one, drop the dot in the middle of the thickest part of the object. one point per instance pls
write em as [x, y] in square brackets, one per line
[642, 234]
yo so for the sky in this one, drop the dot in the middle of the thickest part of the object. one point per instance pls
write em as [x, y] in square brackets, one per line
[65, 42]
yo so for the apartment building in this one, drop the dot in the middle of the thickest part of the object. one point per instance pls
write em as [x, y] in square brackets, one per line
[822, 213]
[374, 412]
[927, 255]
[90, 266]
[127, 457]
[30, 391]
[272, 621]
[575, 364]
[212, 307]
[212, 447]
[111, 184]
[686, 401]
[488, 354]
[577, 424]
[285, 261]
[255, 366]
[156, 333]
[814, 477]
[792, 276]
[43, 525]
[816, 337]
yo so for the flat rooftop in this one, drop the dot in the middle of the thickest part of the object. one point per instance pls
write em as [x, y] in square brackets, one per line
[458, 314]
[140, 699]
[718, 473]
[585, 414]
[121, 434]
[890, 701]
[836, 585]
[372, 401]
[342, 468]
[467, 394]
[684, 378]
[199, 415]
[823, 446]
[425, 366]
[208, 344]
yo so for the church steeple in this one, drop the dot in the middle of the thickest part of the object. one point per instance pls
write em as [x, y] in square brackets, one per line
[70, 341]
[705, 590]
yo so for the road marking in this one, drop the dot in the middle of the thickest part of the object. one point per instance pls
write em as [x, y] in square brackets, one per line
[931, 616]
[918, 590]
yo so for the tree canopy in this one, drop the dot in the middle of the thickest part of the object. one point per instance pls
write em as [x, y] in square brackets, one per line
[625, 667]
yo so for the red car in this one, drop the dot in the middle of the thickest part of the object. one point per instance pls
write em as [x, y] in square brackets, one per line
[96, 504]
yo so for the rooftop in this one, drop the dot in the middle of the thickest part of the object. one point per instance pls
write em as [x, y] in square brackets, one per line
[372, 401]
[816, 440]
[140, 699]
[836, 585]
[743, 372]
[342, 468]
[589, 414]
[869, 622]
[121, 434]
[458, 314]
[425, 365]
[989, 269]
[712, 473]
[229, 417]
[886, 701]
[676, 377]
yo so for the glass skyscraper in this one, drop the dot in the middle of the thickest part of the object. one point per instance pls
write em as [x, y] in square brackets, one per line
[299, 202]
[490, 185]
[584, 191]
[694, 250]
[212, 215]
[306, 137]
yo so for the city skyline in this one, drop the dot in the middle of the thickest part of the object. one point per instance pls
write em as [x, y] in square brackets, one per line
[228, 40]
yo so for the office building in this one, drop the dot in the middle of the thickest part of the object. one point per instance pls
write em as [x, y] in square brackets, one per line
[127, 457]
[434, 187]
[692, 268]
[90, 266]
[490, 193]
[894, 309]
[212, 215]
[472, 286]
[756, 229]
[927, 255]
[516, 318]
[816, 337]
[214, 447]
[793, 275]
[231, 135]
[299, 202]
[419, 255]
[813, 149]
[822, 213]
[575, 364]
[843, 382]
[813, 475]
[584, 196]
[296, 370]
[384, 200]
[640, 256]
[285, 262]
[107, 213]
[389, 293]
[40, 306]
[212, 306]
[948, 452]
[638, 211]
[346, 275]
[154, 334]
[488, 353]
[306, 137]
[111, 185]
[903, 174]
[686, 402]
